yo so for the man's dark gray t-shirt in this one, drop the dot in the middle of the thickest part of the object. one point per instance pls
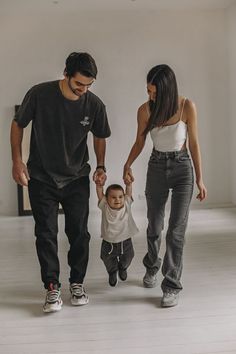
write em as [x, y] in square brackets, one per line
[58, 146]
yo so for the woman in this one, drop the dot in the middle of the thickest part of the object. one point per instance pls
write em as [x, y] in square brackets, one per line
[170, 119]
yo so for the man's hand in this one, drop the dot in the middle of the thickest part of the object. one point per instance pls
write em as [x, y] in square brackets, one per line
[99, 177]
[20, 173]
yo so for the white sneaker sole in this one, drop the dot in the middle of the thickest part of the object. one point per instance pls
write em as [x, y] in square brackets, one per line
[149, 285]
[172, 304]
[80, 302]
[53, 308]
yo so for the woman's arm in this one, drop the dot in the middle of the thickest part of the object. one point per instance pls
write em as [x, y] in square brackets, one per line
[136, 149]
[191, 114]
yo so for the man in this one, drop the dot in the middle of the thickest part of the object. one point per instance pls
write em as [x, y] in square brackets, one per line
[62, 113]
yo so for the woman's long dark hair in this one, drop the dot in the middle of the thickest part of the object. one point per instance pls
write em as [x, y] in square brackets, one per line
[166, 102]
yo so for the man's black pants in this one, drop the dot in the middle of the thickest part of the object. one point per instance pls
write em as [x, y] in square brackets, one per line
[74, 199]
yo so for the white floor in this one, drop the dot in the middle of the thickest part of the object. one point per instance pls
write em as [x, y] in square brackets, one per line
[128, 318]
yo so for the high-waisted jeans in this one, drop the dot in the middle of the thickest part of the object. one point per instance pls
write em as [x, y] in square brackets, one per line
[168, 171]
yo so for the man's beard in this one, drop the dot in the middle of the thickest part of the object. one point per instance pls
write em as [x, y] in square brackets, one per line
[75, 91]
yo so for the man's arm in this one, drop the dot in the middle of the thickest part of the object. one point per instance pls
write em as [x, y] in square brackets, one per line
[99, 175]
[19, 169]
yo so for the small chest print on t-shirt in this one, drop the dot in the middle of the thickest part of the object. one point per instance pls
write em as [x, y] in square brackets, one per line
[85, 121]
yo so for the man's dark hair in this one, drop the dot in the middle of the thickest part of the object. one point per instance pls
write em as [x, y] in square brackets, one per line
[82, 63]
[114, 187]
[166, 102]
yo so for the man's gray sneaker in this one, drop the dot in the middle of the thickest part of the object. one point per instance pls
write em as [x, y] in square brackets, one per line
[53, 301]
[169, 299]
[150, 279]
[78, 294]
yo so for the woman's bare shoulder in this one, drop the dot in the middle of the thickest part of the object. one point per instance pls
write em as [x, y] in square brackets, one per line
[143, 108]
[189, 105]
[143, 112]
[190, 112]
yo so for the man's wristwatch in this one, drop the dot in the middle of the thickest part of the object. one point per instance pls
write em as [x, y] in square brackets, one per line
[102, 167]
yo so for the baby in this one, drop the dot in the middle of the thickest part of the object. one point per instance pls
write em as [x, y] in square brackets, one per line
[117, 228]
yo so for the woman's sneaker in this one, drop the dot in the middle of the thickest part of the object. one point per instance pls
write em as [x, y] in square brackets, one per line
[53, 301]
[78, 294]
[169, 299]
[150, 279]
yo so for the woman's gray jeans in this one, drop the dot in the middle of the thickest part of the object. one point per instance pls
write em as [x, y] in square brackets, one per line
[168, 171]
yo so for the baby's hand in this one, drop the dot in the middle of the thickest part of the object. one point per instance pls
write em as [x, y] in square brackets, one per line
[128, 183]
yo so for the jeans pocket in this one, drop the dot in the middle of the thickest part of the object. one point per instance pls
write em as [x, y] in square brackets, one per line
[183, 158]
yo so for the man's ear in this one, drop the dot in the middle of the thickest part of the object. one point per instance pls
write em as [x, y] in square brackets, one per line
[65, 73]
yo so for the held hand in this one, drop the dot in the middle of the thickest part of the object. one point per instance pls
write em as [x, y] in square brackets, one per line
[202, 191]
[20, 173]
[99, 177]
[128, 176]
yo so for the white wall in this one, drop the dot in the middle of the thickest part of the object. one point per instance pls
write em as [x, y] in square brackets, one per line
[232, 96]
[125, 45]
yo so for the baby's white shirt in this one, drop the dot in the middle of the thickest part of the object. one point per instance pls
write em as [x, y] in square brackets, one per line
[117, 225]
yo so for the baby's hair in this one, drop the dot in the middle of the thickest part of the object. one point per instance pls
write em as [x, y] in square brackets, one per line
[114, 187]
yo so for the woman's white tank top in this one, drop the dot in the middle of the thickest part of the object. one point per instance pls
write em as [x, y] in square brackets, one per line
[170, 137]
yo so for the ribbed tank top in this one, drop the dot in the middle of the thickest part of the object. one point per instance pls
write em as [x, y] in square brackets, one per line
[170, 137]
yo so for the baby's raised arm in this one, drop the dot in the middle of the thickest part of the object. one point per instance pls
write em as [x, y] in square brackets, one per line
[99, 190]
[128, 190]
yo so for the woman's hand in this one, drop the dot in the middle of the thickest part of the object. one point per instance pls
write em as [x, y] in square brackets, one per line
[128, 175]
[202, 191]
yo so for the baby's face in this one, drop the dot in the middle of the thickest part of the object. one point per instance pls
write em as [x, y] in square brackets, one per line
[116, 199]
